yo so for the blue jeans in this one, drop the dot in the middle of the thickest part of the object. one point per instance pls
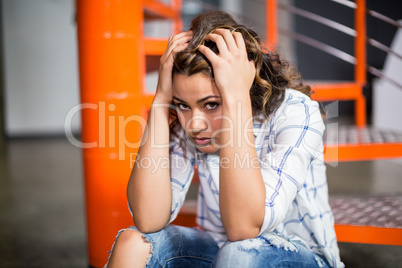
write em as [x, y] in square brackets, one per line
[177, 246]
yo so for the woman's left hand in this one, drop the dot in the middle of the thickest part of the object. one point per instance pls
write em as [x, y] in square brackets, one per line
[234, 73]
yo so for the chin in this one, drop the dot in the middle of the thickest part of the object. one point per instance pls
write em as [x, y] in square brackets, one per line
[210, 149]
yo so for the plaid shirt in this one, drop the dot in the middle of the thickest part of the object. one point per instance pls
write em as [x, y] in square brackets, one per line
[289, 146]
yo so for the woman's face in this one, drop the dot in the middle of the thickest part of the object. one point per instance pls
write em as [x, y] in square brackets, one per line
[199, 109]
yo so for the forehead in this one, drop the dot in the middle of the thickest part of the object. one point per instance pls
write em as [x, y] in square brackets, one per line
[193, 87]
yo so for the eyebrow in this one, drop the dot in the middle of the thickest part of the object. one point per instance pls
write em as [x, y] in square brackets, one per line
[200, 100]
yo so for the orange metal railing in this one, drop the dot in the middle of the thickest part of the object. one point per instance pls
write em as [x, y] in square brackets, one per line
[330, 91]
[341, 91]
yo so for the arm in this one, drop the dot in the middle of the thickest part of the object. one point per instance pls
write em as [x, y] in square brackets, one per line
[149, 190]
[241, 189]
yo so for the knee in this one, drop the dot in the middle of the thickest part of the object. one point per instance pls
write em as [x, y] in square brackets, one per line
[130, 239]
[130, 250]
[232, 253]
[245, 253]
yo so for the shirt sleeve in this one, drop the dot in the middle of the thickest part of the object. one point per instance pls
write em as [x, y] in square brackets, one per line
[181, 172]
[295, 140]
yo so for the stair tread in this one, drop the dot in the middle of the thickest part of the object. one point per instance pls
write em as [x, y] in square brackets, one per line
[369, 211]
[374, 211]
[365, 135]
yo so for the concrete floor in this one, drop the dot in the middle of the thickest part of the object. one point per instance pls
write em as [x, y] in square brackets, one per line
[41, 205]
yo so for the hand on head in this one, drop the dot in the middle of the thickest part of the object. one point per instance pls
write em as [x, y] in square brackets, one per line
[234, 73]
[176, 44]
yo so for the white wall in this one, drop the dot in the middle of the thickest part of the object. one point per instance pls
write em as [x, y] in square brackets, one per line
[40, 66]
[387, 97]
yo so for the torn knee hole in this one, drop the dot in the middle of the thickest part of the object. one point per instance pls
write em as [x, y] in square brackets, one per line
[148, 244]
[250, 244]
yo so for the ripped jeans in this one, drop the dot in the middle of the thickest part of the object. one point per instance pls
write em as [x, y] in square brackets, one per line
[177, 246]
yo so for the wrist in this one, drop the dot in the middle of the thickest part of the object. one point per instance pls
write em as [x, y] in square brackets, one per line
[161, 98]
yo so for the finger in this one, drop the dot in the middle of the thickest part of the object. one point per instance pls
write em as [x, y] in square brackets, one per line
[228, 37]
[238, 37]
[220, 43]
[179, 48]
[176, 41]
[211, 56]
[175, 50]
[167, 63]
[179, 41]
[180, 35]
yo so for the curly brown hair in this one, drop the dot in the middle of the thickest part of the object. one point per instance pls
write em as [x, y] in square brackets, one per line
[273, 74]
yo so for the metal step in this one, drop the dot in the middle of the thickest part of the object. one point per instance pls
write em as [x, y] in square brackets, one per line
[368, 219]
[351, 143]
[358, 219]
[375, 211]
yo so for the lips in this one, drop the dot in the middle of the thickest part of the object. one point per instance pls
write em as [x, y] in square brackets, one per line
[202, 141]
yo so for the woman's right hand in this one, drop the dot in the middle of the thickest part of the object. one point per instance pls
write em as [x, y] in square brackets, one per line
[176, 44]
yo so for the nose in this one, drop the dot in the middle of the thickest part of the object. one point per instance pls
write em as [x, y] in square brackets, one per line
[198, 123]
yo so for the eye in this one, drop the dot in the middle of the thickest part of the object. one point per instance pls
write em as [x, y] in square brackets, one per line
[211, 105]
[182, 106]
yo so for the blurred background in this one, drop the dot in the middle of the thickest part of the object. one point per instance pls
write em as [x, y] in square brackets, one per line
[42, 215]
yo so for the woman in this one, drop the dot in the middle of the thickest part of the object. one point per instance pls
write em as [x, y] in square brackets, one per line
[244, 119]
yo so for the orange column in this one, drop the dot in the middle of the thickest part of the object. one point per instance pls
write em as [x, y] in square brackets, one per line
[360, 52]
[111, 63]
[271, 27]
[178, 23]
[360, 41]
